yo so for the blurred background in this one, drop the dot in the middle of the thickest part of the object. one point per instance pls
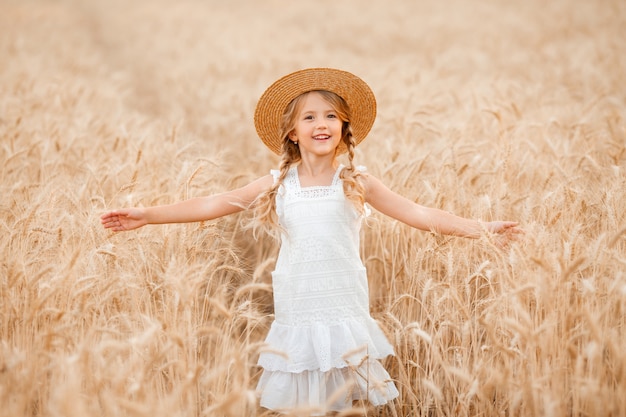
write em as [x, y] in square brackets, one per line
[491, 109]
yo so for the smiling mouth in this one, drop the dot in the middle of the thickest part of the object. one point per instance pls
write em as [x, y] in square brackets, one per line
[321, 137]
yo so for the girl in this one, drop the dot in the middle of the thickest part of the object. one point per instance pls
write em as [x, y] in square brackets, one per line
[324, 347]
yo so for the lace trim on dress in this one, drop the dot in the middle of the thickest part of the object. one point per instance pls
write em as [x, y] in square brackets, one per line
[318, 191]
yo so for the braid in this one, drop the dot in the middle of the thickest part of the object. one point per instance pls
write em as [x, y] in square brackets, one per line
[352, 186]
[265, 204]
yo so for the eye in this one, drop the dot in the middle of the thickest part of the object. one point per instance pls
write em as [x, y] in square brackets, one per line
[308, 117]
[332, 116]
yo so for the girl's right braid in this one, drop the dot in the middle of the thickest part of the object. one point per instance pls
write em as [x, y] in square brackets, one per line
[285, 162]
[265, 204]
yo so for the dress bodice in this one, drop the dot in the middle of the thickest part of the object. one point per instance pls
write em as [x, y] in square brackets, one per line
[319, 224]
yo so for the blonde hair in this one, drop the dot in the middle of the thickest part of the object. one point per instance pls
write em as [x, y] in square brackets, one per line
[265, 205]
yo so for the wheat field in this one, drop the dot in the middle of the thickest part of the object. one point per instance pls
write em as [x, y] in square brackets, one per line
[491, 109]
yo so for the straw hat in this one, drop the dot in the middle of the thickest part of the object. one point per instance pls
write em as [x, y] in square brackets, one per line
[352, 89]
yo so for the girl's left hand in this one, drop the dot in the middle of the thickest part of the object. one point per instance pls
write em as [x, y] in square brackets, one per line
[505, 231]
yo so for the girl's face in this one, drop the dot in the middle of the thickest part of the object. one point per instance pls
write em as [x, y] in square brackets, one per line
[318, 127]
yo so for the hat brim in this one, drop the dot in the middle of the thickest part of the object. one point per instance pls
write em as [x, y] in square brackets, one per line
[352, 89]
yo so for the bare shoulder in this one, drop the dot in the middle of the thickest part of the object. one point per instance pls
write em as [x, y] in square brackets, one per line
[249, 192]
[385, 200]
[372, 185]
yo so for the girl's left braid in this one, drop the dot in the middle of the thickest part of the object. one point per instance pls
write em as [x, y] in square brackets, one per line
[351, 182]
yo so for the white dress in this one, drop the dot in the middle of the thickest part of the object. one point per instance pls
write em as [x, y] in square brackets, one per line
[323, 346]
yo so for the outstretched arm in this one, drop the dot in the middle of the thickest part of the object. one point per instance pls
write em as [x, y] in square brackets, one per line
[192, 210]
[431, 219]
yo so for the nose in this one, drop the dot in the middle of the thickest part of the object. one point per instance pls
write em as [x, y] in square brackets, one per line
[321, 123]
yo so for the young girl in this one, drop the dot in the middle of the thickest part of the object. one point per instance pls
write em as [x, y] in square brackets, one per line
[324, 347]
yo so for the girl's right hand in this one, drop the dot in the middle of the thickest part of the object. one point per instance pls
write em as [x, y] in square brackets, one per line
[505, 232]
[124, 219]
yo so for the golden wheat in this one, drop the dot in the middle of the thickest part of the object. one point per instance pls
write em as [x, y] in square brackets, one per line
[489, 109]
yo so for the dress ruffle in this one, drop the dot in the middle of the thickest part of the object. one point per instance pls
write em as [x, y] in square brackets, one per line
[321, 347]
[319, 392]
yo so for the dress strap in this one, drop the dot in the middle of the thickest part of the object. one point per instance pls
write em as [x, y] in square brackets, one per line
[337, 173]
[275, 173]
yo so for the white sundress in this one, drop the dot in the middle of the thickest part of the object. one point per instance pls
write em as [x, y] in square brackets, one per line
[323, 346]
